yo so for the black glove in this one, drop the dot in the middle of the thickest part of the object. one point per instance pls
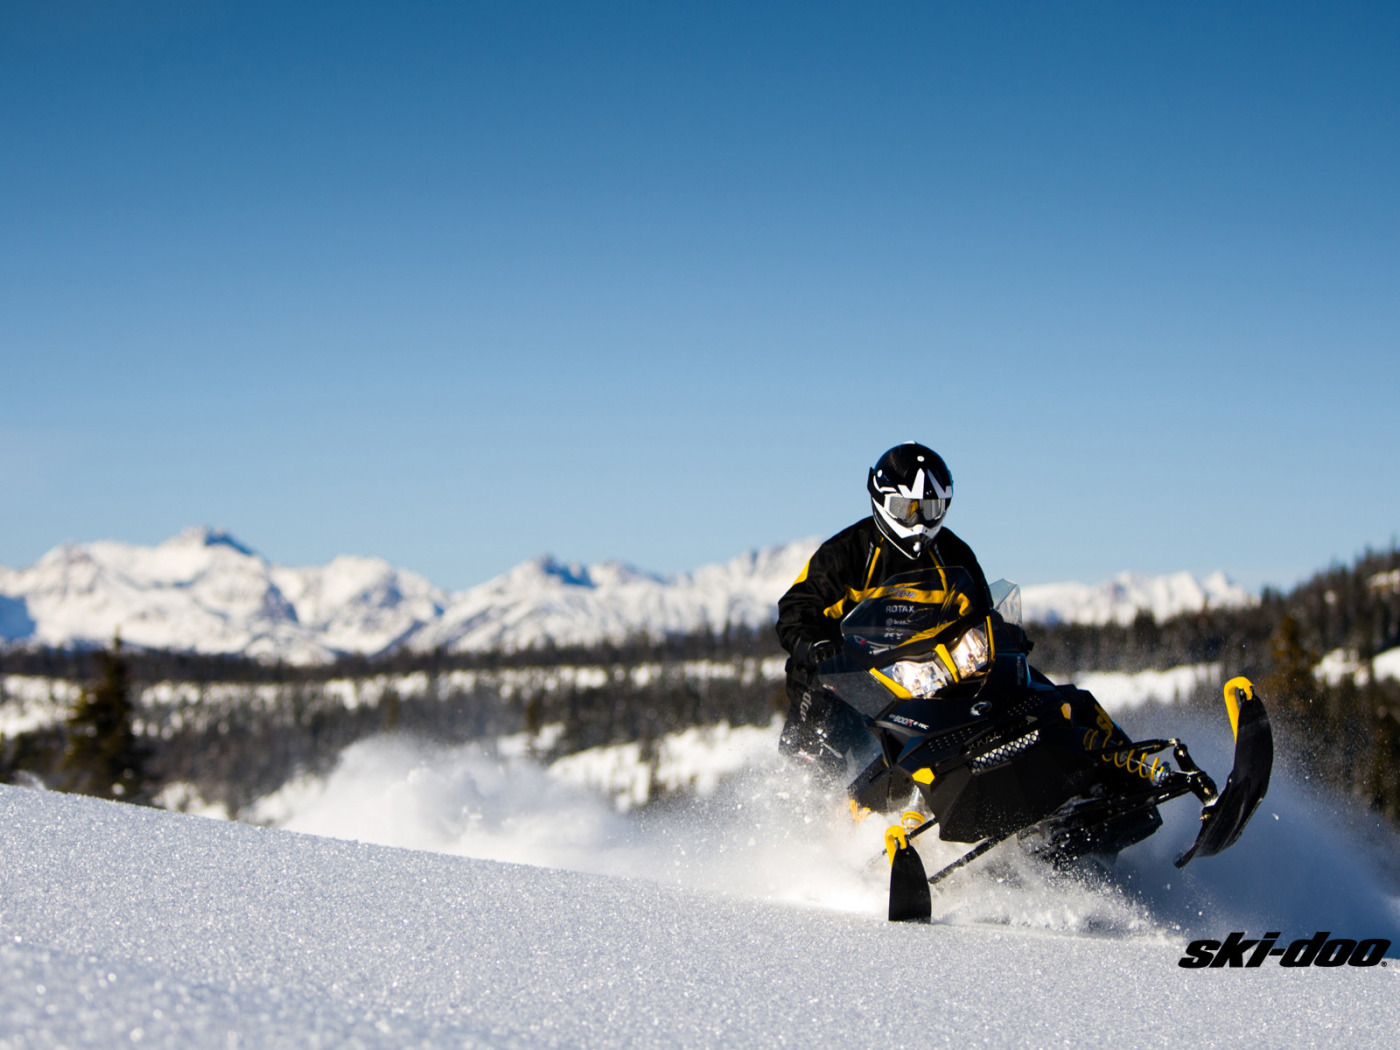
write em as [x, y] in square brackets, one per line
[809, 655]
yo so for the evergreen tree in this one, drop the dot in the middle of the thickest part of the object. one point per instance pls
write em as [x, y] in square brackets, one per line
[104, 756]
[1290, 685]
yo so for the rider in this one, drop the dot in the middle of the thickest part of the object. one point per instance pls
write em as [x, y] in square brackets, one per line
[910, 490]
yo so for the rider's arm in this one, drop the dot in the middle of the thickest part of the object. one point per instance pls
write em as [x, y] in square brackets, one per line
[803, 618]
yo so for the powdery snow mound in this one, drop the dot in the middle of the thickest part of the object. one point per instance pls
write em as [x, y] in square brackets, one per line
[760, 830]
[1120, 599]
[693, 761]
[122, 926]
[468, 800]
[500, 804]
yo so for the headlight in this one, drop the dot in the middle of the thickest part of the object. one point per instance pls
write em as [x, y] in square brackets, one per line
[942, 667]
[970, 654]
[920, 678]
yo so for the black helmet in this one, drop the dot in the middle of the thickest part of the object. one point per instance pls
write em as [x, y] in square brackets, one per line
[910, 489]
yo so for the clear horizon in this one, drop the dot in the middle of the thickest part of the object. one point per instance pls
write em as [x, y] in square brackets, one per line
[459, 285]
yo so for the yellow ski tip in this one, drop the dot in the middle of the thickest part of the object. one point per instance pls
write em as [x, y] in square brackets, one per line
[1237, 689]
[896, 839]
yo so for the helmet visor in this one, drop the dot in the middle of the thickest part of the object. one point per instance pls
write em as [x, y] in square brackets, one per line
[916, 511]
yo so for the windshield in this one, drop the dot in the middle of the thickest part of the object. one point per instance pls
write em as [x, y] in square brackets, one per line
[928, 606]
[1006, 600]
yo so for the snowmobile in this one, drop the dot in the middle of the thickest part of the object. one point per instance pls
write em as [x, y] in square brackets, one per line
[954, 713]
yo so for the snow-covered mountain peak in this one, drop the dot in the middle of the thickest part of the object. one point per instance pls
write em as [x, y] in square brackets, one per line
[1123, 597]
[554, 572]
[543, 573]
[547, 573]
[206, 536]
[205, 591]
[620, 574]
[66, 553]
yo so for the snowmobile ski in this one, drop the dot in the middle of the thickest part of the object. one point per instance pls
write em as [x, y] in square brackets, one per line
[1224, 817]
[910, 899]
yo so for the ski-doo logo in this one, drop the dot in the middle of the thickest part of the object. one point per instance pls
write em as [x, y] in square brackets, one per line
[1318, 950]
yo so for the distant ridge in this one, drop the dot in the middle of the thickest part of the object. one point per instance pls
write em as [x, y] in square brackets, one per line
[1120, 599]
[204, 591]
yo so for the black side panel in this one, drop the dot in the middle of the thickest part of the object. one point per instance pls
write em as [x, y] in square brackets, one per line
[882, 788]
[973, 805]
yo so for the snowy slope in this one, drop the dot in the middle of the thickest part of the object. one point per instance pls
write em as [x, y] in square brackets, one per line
[746, 825]
[204, 591]
[121, 926]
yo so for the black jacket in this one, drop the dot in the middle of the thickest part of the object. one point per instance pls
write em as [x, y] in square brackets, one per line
[851, 562]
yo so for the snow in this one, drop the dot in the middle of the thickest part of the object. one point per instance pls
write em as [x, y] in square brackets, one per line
[1385, 582]
[1387, 664]
[1121, 691]
[29, 702]
[1120, 599]
[183, 797]
[751, 917]
[693, 760]
[753, 828]
[544, 601]
[359, 605]
[204, 591]
[1340, 664]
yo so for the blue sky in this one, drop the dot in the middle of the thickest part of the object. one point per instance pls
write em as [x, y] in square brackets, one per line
[459, 284]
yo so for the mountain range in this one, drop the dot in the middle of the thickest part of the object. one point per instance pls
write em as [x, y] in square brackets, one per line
[204, 591]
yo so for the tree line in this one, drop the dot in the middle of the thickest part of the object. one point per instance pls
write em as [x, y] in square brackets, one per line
[154, 665]
[235, 741]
